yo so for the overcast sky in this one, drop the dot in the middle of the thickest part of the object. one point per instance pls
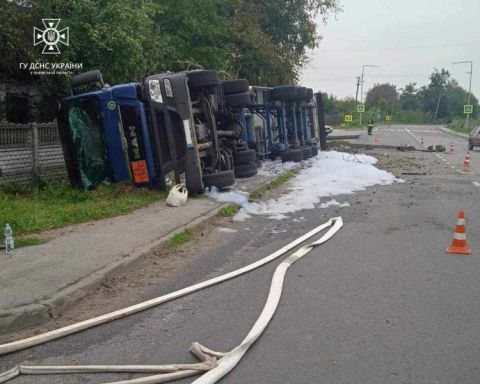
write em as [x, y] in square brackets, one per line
[366, 30]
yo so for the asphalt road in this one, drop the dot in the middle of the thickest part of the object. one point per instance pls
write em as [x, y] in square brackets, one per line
[381, 302]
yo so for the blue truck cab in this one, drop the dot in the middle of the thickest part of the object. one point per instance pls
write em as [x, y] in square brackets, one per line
[105, 134]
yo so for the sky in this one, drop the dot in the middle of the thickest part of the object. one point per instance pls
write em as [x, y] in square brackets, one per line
[407, 39]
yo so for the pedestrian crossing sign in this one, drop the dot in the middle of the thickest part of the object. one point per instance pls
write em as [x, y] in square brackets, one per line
[467, 108]
[348, 118]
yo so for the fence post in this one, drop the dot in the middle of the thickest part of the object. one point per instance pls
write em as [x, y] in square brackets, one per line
[35, 175]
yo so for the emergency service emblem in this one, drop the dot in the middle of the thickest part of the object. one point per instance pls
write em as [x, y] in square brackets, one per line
[51, 36]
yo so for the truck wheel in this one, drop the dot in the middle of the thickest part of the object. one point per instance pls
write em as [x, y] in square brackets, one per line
[244, 157]
[314, 150]
[295, 155]
[246, 170]
[309, 94]
[235, 86]
[284, 92]
[220, 179]
[203, 79]
[301, 93]
[307, 153]
[239, 99]
[470, 145]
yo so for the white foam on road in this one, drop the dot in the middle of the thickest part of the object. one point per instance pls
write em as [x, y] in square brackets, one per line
[329, 174]
[226, 230]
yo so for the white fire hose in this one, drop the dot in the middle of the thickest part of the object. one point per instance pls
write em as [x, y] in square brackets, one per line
[215, 370]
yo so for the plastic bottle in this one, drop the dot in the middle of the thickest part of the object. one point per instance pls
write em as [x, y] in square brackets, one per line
[9, 245]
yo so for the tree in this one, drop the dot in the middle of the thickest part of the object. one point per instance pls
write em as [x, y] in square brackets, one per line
[432, 96]
[408, 98]
[265, 41]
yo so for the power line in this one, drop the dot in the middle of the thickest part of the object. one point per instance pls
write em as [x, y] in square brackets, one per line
[349, 77]
[398, 48]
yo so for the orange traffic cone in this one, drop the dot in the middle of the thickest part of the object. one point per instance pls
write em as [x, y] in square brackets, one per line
[459, 242]
[466, 162]
[452, 147]
[421, 140]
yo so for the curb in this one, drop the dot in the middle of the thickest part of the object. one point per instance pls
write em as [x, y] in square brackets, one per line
[448, 130]
[28, 315]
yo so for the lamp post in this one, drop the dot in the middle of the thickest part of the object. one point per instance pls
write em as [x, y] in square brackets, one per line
[361, 84]
[469, 86]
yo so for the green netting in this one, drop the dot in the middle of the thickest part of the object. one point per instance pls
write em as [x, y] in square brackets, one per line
[89, 147]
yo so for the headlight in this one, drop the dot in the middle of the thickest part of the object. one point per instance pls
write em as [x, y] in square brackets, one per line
[155, 92]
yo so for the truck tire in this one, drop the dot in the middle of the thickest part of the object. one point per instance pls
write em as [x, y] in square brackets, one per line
[301, 93]
[239, 100]
[246, 170]
[294, 155]
[307, 152]
[470, 145]
[220, 179]
[284, 92]
[314, 150]
[235, 86]
[244, 157]
[309, 94]
[203, 79]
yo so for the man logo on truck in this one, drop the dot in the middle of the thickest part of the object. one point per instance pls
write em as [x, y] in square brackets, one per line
[134, 142]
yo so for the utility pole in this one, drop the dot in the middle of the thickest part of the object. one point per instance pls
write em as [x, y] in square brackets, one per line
[358, 85]
[362, 81]
[469, 86]
[438, 105]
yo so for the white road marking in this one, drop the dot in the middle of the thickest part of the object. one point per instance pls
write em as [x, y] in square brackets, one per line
[476, 183]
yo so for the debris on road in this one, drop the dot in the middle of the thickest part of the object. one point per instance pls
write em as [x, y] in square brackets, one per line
[343, 137]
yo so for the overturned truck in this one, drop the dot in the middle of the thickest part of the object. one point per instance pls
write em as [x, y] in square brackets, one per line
[188, 127]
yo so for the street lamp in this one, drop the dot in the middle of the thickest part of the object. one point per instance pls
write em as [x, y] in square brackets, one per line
[469, 86]
[361, 89]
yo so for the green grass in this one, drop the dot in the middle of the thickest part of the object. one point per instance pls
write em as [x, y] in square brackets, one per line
[181, 238]
[459, 125]
[54, 205]
[278, 181]
[229, 210]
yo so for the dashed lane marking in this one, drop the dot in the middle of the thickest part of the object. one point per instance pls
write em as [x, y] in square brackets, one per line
[476, 183]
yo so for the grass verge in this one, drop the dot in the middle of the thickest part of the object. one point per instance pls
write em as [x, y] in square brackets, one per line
[278, 181]
[55, 205]
[181, 238]
[459, 125]
[229, 210]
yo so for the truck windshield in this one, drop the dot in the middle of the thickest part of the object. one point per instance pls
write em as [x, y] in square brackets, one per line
[87, 132]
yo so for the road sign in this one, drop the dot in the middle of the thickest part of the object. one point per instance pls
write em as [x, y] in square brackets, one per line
[467, 108]
[388, 118]
[348, 118]
[361, 108]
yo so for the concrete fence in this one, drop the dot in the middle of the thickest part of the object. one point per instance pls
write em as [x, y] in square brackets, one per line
[29, 152]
